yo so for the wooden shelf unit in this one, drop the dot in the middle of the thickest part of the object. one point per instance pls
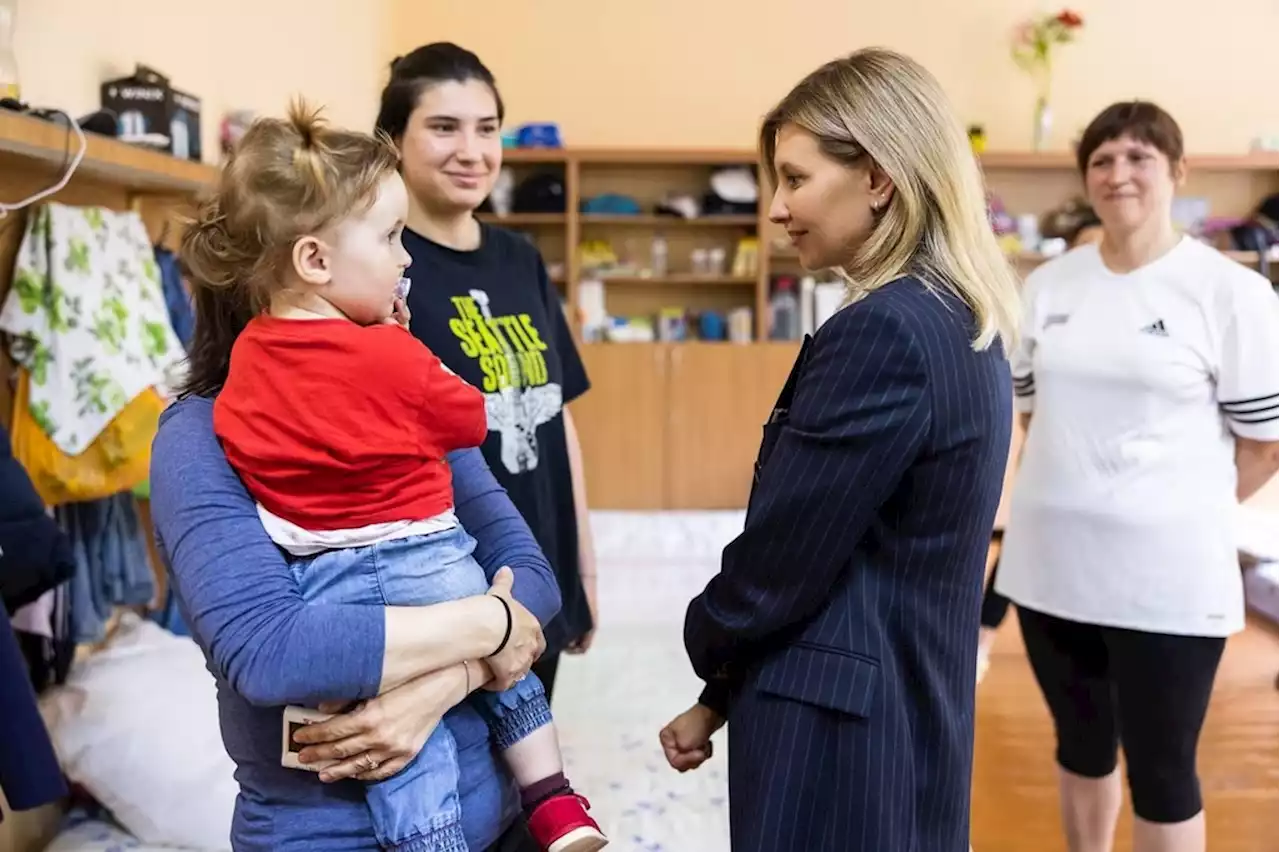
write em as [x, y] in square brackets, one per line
[646, 175]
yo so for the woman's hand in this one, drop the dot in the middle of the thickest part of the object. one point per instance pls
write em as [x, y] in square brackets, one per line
[525, 644]
[379, 738]
[686, 740]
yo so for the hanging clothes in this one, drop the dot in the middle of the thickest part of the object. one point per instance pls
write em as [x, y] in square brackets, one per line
[182, 318]
[169, 616]
[29, 771]
[118, 459]
[113, 566]
[88, 320]
[35, 555]
[182, 313]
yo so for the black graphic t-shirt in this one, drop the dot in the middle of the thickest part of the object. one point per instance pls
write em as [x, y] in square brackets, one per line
[494, 318]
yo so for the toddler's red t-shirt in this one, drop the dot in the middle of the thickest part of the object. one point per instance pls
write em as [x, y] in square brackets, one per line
[333, 425]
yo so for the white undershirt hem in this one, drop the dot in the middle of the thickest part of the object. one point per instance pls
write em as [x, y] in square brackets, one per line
[304, 542]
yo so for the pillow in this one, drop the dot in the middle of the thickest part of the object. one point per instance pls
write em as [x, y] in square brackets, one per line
[136, 725]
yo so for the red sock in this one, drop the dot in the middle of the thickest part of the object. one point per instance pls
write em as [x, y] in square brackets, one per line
[539, 791]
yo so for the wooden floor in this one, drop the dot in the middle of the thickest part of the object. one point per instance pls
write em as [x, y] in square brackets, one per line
[1015, 800]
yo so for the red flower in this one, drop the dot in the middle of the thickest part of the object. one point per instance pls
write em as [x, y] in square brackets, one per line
[1070, 19]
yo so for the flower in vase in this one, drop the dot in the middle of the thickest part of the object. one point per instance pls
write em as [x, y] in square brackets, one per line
[1034, 41]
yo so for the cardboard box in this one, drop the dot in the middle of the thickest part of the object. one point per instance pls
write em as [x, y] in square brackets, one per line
[151, 112]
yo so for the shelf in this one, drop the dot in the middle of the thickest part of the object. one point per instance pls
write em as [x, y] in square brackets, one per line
[534, 155]
[1052, 160]
[648, 221]
[633, 156]
[666, 156]
[517, 220]
[672, 280]
[105, 159]
[1253, 161]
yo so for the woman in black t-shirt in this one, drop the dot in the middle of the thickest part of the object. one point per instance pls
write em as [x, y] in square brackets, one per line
[482, 301]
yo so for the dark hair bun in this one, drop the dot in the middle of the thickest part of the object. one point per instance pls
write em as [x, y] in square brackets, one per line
[438, 62]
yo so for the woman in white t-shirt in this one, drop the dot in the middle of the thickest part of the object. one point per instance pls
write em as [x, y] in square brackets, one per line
[1148, 368]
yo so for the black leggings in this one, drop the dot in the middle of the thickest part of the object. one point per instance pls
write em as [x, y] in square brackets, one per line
[546, 668]
[994, 604]
[1149, 692]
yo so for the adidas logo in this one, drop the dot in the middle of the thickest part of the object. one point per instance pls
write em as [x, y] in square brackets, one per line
[1157, 328]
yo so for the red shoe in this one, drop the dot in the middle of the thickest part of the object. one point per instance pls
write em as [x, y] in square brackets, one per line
[561, 824]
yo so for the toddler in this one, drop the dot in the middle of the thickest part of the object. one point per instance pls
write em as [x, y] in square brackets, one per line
[338, 421]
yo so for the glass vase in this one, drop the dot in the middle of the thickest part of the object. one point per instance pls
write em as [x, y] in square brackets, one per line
[1043, 125]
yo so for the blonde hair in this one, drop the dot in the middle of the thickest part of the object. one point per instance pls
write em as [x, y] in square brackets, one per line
[884, 105]
[287, 178]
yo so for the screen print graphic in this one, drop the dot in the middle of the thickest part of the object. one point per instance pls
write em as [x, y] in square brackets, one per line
[519, 396]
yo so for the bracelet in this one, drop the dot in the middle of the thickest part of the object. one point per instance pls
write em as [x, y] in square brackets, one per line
[506, 637]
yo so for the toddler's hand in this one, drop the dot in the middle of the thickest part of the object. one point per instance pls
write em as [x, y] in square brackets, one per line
[399, 314]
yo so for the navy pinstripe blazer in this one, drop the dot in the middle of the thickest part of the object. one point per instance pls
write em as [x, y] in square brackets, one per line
[840, 636]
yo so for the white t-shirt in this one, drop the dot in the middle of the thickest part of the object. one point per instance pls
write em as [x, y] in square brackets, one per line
[1122, 513]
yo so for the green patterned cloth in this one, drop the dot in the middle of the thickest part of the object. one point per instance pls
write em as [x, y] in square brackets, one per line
[88, 319]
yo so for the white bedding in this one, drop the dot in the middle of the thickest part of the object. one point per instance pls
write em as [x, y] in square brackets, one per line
[91, 835]
[136, 725]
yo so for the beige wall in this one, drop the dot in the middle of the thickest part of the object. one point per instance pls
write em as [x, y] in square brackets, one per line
[621, 73]
[250, 54]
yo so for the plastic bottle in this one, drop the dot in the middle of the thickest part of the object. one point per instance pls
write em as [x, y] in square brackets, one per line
[9, 79]
[658, 256]
[784, 310]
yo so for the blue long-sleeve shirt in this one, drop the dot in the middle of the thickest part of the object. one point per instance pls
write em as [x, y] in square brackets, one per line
[266, 648]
